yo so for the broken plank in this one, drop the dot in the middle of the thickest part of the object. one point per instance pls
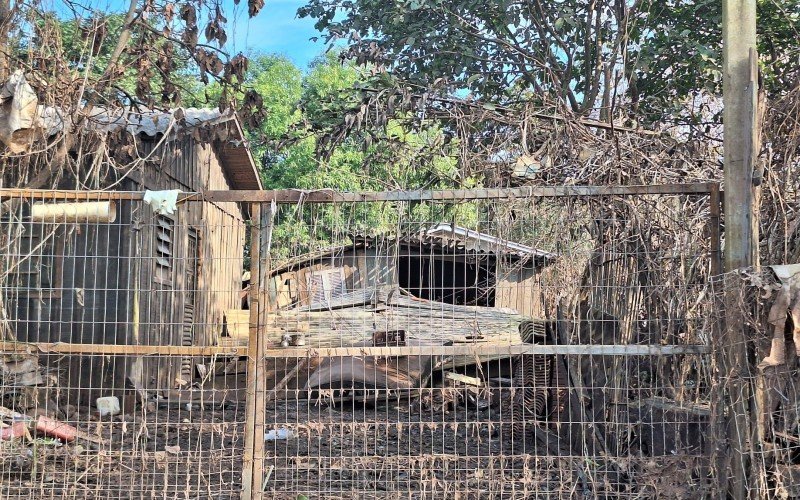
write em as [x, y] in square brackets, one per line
[464, 379]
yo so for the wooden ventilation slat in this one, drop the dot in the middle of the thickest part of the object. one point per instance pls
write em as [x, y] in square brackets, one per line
[164, 228]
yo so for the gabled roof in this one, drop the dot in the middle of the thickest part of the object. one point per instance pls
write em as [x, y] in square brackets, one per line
[237, 161]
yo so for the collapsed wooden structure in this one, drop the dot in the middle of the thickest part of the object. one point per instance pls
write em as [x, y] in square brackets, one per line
[446, 285]
[444, 262]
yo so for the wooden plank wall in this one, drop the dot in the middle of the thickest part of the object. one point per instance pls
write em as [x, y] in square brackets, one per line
[220, 228]
[222, 237]
[89, 306]
[520, 288]
[97, 261]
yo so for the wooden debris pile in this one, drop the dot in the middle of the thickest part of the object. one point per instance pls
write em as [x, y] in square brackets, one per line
[28, 387]
[373, 377]
[31, 401]
[351, 319]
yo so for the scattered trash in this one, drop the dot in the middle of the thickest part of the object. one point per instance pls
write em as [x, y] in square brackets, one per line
[52, 427]
[464, 379]
[14, 431]
[267, 476]
[278, 434]
[172, 450]
[108, 405]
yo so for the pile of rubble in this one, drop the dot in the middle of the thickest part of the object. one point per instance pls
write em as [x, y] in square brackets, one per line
[29, 395]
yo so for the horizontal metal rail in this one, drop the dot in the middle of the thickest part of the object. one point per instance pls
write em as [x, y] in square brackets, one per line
[457, 350]
[293, 196]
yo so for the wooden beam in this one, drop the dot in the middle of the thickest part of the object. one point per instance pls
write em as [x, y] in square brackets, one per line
[464, 379]
[715, 226]
[261, 262]
[741, 243]
[293, 196]
[120, 350]
[250, 392]
[491, 349]
[441, 350]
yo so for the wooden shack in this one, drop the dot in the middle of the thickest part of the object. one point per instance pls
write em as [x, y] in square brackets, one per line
[445, 263]
[143, 277]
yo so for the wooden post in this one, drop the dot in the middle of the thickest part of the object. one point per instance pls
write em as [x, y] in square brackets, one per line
[741, 236]
[250, 406]
[739, 44]
[715, 210]
[260, 244]
[5, 27]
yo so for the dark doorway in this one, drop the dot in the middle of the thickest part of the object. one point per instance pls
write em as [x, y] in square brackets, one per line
[457, 280]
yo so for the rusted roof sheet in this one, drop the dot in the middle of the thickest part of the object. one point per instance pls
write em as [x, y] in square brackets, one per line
[237, 161]
[482, 242]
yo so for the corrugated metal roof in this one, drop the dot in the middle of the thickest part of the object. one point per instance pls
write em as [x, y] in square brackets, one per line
[477, 241]
[443, 237]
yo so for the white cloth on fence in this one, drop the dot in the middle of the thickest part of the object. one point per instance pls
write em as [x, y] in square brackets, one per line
[162, 202]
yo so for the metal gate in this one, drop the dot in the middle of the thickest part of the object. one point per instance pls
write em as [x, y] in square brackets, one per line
[486, 343]
[497, 343]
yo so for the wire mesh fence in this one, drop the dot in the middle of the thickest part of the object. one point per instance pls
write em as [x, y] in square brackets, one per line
[756, 313]
[112, 373]
[486, 343]
[507, 347]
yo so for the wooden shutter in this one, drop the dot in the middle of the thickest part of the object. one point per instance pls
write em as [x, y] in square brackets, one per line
[164, 229]
[189, 301]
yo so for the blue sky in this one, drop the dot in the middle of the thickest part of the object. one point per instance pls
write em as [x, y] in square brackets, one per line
[276, 29]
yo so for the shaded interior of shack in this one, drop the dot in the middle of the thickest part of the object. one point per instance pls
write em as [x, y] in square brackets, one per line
[448, 279]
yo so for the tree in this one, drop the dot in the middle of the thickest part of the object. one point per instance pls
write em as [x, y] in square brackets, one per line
[640, 57]
[498, 50]
[679, 54]
[75, 59]
[300, 111]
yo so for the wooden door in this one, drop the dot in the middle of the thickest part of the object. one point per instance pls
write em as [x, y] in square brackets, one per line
[189, 301]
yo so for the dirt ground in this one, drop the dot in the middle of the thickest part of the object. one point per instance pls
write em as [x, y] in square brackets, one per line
[171, 452]
[439, 445]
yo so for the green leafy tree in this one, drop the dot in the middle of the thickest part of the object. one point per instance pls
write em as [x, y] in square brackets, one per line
[299, 112]
[680, 53]
[592, 56]
[494, 49]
